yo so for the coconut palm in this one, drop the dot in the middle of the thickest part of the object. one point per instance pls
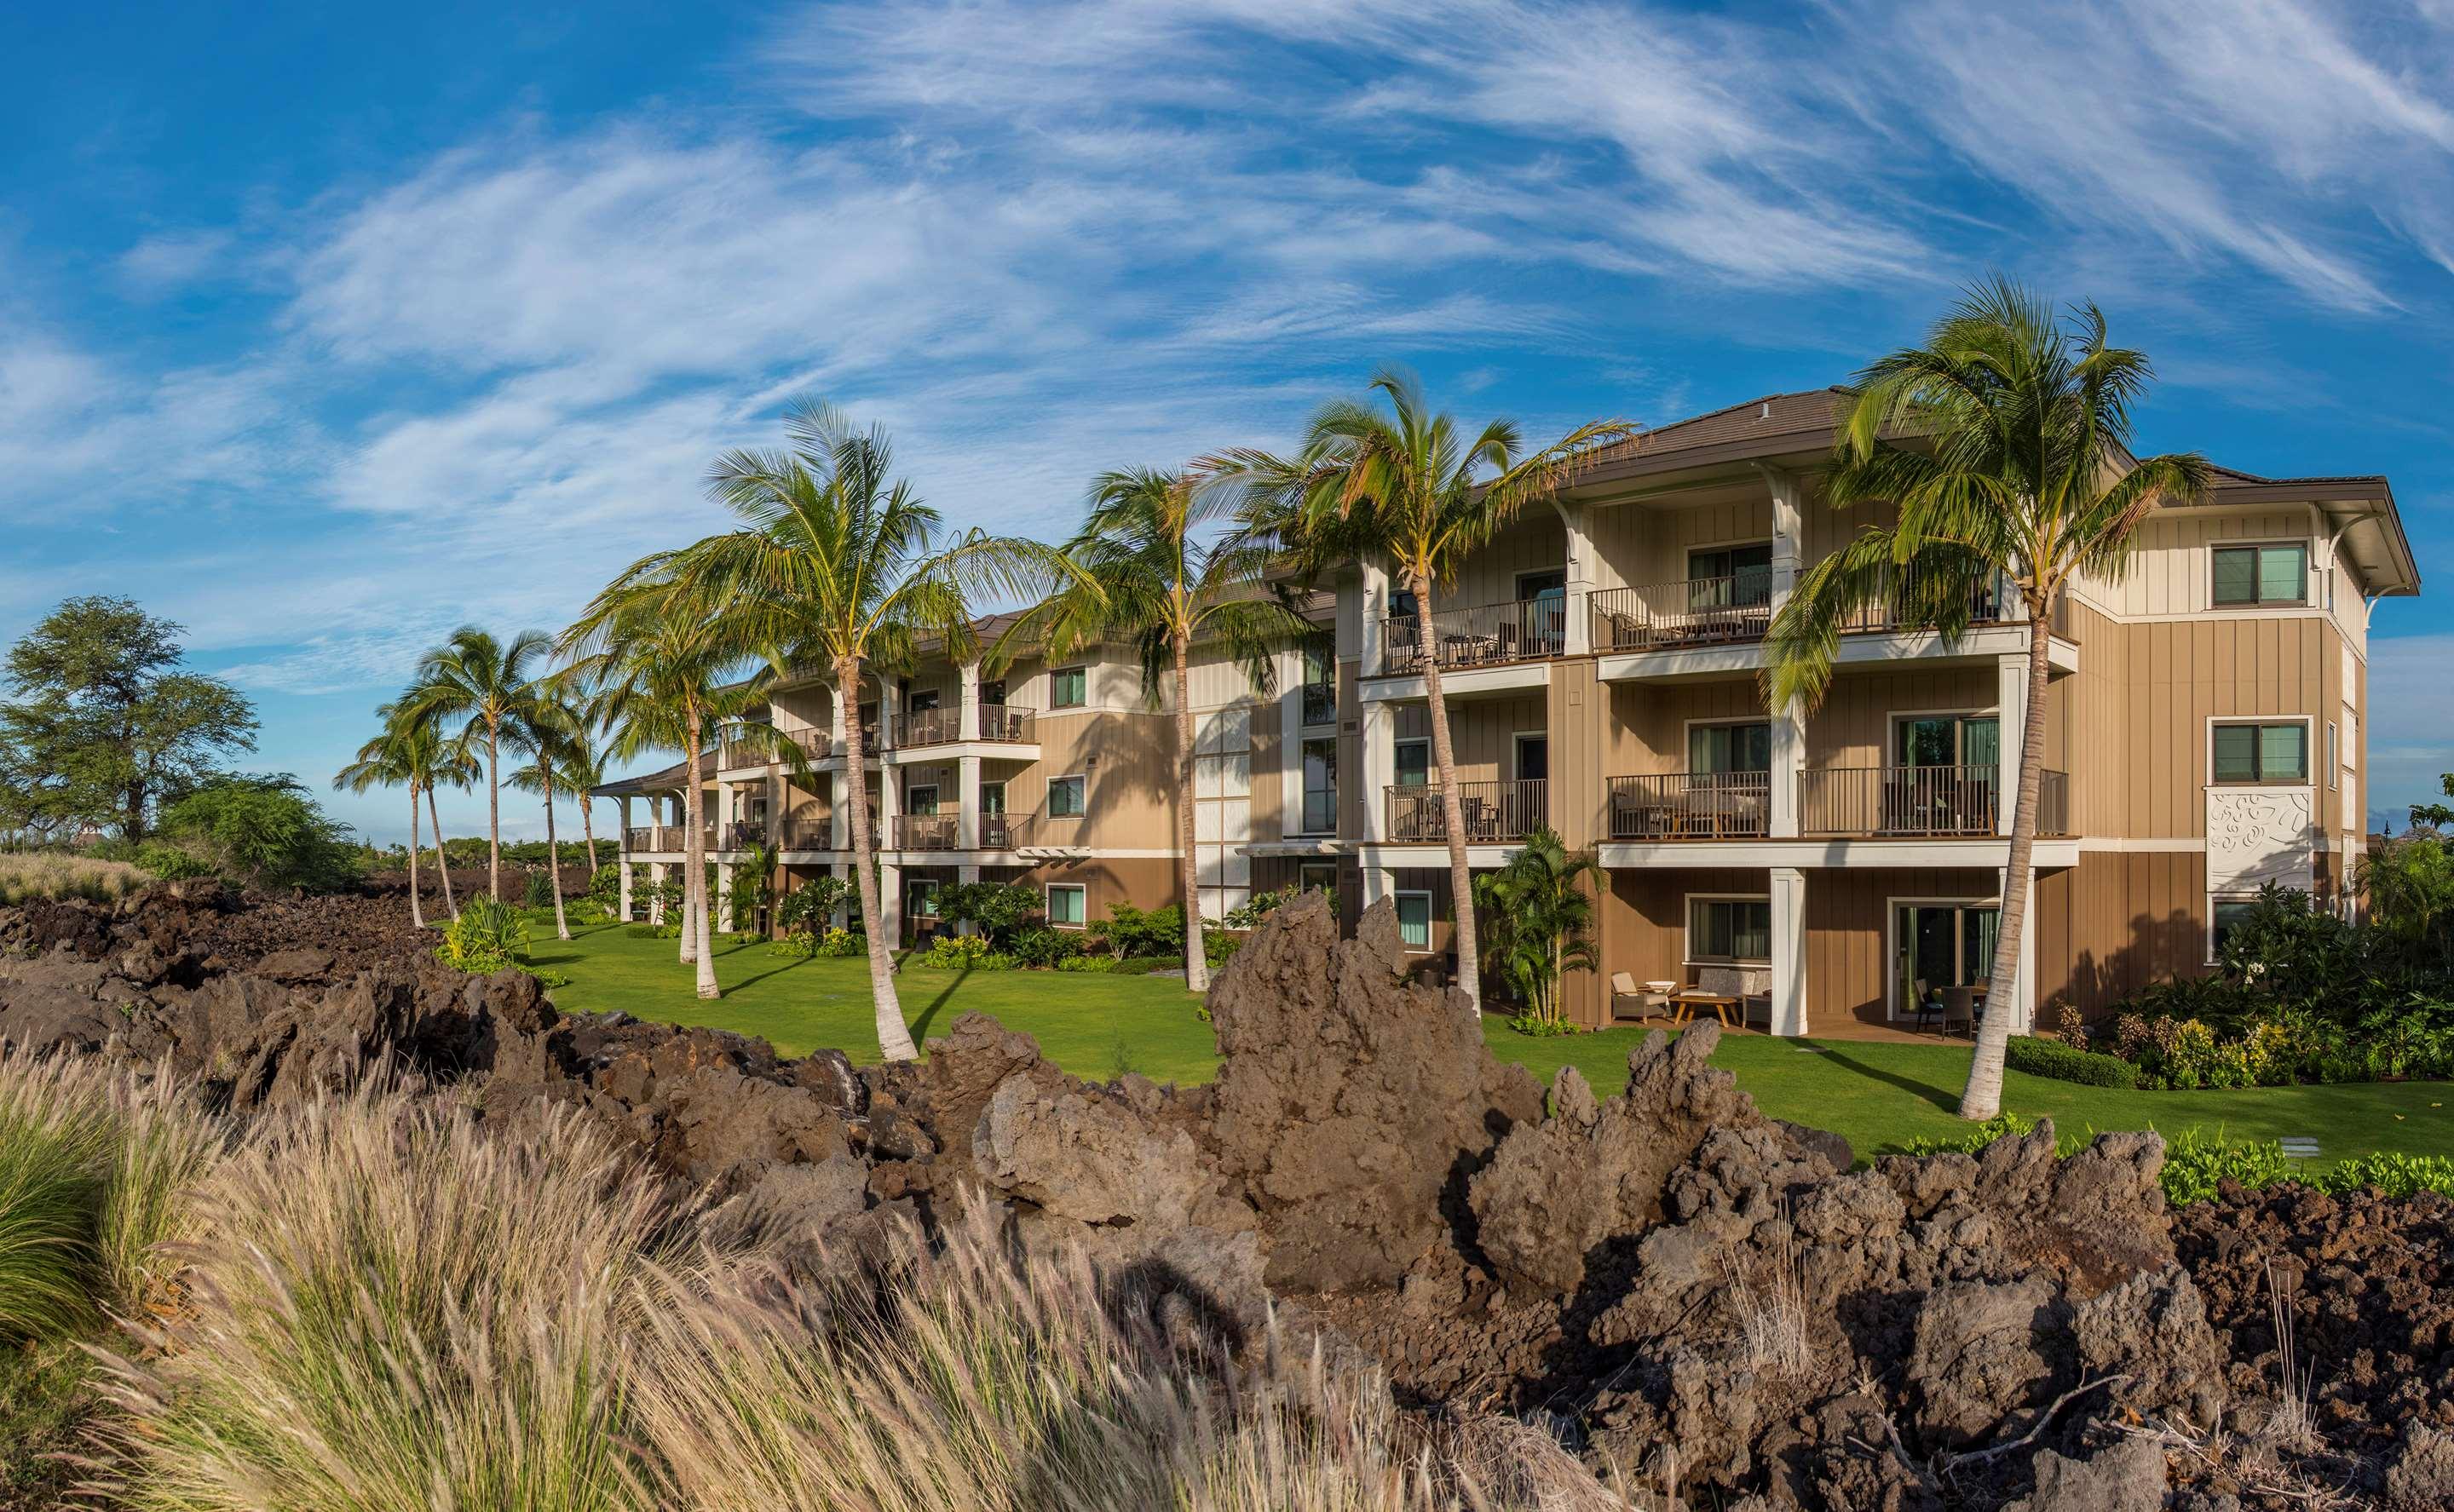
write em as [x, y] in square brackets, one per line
[1542, 910]
[2005, 443]
[665, 669]
[1403, 485]
[544, 727]
[838, 565]
[475, 678]
[1147, 577]
[583, 771]
[443, 762]
[387, 762]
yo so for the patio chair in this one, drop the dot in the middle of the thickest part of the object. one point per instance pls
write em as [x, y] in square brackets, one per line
[1959, 1008]
[1649, 1001]
[1929, 1004]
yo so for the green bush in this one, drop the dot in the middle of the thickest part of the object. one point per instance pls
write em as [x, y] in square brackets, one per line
[2195, 1161]
[1086, 963]
[1542, 1028]
[487, 936]
[2068, 1062]
[265, 831]
[170, 862]
[963, 952]
[843, 944]
[1045, 947]
[2394, 1174]
[1129, 931]
[539, 891]
[648, 931]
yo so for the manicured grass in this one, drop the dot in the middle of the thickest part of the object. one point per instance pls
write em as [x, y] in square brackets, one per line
[1877, 1096]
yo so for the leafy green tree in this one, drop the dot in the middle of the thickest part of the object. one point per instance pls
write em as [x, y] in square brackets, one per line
[484, 684]
[1001, 909]
[2411, 886]
[266, 831]
[106, 725]
[838, 565]
[1403, 485]
[1541, 906]
[1152, 570]
[2436, 816]
[2004, 445]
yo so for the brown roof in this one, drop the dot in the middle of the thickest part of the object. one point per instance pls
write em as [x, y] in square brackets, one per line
[1772, 416]
[673, 777]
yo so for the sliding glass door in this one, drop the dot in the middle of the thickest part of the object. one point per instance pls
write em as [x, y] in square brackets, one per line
[1938, 945]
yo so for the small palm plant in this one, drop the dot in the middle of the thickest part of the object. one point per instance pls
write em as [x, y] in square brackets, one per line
[1541, 906]
[2004, 445]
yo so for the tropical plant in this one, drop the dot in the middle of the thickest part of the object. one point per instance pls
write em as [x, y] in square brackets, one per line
[2004, 445]
[1148, 574]
[545, 726]
[805, 912]
[486, 684]
[394, 759]
[1129, 932]
[838, 565]
[487, 936]
[1542, 910]
[2409, 881]
[666, 667]
[1404, 486]
[1001, 909]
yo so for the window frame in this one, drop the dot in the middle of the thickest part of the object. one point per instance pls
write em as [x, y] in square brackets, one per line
[1055, 700]
[2261, 721]
[1303, 867]
[1430, 918]
[1691, 726]
[1082, 909]
[1304, 790]
[1397, 769]
[1687, 929]
[2334, 758]
[2257, 575]
[914, 889]
[1082, 804]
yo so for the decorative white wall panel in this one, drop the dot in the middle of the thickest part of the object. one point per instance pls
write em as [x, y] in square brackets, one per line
[2258, 835]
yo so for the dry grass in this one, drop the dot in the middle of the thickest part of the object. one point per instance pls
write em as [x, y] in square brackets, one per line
[1768, 1303]
[45, 874]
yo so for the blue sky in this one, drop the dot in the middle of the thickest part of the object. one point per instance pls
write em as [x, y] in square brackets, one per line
[325, 329]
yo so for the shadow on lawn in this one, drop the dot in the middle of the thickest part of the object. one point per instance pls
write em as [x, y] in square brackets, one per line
[927, 1016]
[1925, 1091]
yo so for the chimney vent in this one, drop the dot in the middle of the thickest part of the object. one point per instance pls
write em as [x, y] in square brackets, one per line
[1764, 413]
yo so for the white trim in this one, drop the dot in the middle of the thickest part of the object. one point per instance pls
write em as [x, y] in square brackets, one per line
[1430, 918]
[2308, 565]
[1687, 902]
[1460, 682]
[1084, 779]
[1051, 889]
[2308, 750]
[1516, 739]
[2177, 845]
[1984, 852]
[932, 790]
[1337, 794]
[1431, 779]
[911, 886]
[1892, 907]
[1302, 867]
[1770, 542]
[2334, 758]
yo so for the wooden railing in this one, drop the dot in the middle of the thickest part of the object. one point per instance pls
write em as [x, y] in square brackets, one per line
[1692, 611]
[1902, 602]
[1493, 811]
[1922, 801]
[1690, 806]
[1486, 635]
[805, 834]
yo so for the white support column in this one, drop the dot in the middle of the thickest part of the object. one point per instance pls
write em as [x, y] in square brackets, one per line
[842, 917]
[1788, 952]
[890, 904]
[967, 876]
[1580, 626]
[835, 731]
[967, 800]
[624, 862]
[724, 817]
[1380, 768]
[1788, 531]
[1378, 883]
[2023, 997]
[1376, 613]
[887, 710]
[1788, 771]
[890, 805]
[656, 892]
[724, 870]
[2010, 724]
[838, 813]
[968, 726]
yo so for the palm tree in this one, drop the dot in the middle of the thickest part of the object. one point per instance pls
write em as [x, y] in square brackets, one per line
[1145, 577]
[544, 727]
[2020, 474]
[1541, 908]
[838, 565]
[583, 771]
[387, 762]
[442, 763]
[665, 671]
[1404, 485]
[477, 678]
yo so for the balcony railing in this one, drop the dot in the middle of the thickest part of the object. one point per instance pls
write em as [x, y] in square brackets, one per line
[929, 727]
[1320, 701]
[805, 834]
[737, 749]
[937, 831]
[1922, 801]
[1894, 607]
[1693, 612]
[1690, 806]
[1493, 811]
[746, 833]
[664, 837]
[1004, 724]
[1487, 635]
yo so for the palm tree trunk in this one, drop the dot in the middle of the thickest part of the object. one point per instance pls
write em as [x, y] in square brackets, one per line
[416, 916]
[1983, 1098]
[893, 1038]
[1196, 965]
[588, 833]
[1452, 807]
[494, 816]
[694, 930]
[442, 857]
[553, 856]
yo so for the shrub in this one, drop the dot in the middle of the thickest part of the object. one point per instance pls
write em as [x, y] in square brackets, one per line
[2067, 1063]
[2195, 1161]
[538, 892]
[1543, 1026]
[51, 875]
[265, 831]
[2394, 1174]
[1219, 947]
[803, 913]
[1042, 947]
[648, 931]
[1086, 963]
[963, 952]
[487, 936]
[1001, 909]
[170, 862]
[605, 888]
[843, 944]
[1129, 931]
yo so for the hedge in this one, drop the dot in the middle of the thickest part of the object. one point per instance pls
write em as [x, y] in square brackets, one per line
[2068, 1062]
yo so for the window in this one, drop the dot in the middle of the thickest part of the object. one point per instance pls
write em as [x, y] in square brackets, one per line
[992, 694]
[920, 800]
[1320, 695]
[1729, 747]
[1949, 740]
[1414, 763]
[1729, 930]
[2224, 916]
[1065, 798]
[2334, 757]
[1317, 876]
[1401, 604]
[992, 799]
[2262, 753]
[923, 895]
[1729, 576]
[2261, 574]
[1066, 907]
[1415, 920]
[920, 702]
[1069, 687]
[1320, 787]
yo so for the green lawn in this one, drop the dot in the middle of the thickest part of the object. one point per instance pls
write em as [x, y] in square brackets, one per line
[1878, 1096]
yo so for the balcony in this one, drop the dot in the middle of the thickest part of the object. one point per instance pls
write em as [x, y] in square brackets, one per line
[937, 831]
[804, 834]
[1494, 812]
[1690, 806]
[1695, 611]
[741, 749]
[928, 726]
[1011, 727]
[1938, 800]
[656, 838]
[1487, 635]
[744, 833]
